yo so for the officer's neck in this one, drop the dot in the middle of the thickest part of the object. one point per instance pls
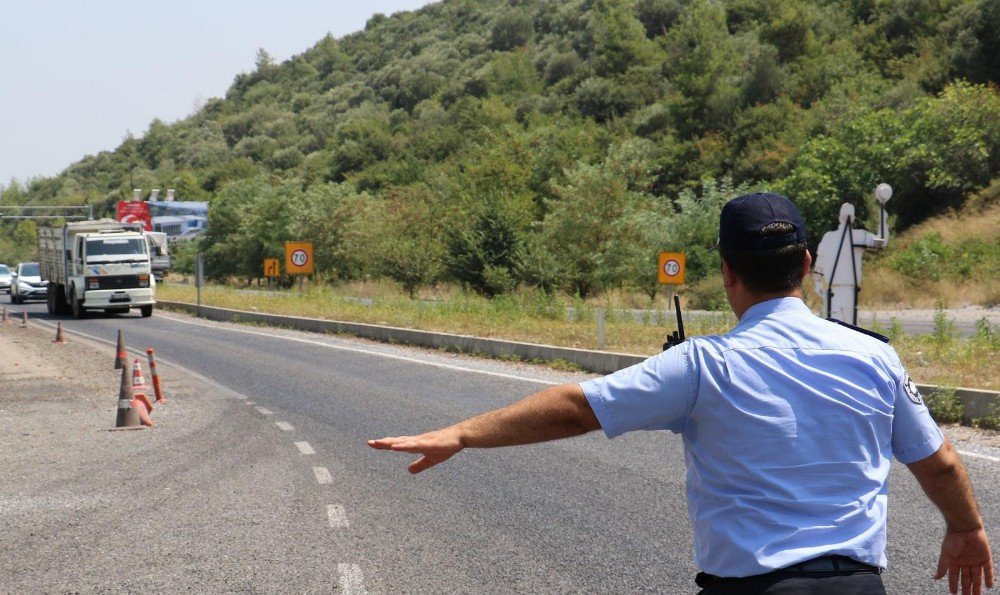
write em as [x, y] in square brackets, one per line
[741, 298]
[741, 301]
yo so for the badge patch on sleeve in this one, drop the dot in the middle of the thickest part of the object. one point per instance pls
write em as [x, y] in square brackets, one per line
[911, 390]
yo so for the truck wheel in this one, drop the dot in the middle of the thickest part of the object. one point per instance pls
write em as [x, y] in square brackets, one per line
[146, 311]
[61, 306]
[50, 299]
[76, 306]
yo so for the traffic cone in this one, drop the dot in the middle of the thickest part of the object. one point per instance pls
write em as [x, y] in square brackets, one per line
[121, 361]
[24, 321]
[139, 389]
[139, 405]
[156, 377]
[59, 334]
[128, 417]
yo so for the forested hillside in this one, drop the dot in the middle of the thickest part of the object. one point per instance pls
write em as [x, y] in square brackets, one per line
[561, 144]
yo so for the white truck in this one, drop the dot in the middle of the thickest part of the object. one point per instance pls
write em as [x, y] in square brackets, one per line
[97, 265]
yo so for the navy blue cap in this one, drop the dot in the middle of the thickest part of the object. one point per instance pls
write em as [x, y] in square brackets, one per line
[745, 216]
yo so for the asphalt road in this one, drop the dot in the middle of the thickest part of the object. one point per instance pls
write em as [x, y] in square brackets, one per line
[276, 491]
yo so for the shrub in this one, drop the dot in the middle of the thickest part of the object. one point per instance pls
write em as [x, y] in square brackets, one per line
[945, 406]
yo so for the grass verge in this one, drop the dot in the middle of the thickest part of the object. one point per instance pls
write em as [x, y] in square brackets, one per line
[941, 358]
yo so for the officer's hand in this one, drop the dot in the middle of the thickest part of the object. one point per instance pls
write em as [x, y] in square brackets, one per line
[966, 555]
[436, 447]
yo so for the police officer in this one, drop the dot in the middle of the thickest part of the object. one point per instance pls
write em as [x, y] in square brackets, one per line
[789, 425]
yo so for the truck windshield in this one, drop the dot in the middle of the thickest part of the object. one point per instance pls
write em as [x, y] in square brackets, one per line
[116, 250]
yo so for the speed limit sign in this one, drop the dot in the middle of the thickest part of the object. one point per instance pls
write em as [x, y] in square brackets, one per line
[299, 258]
[671, 268]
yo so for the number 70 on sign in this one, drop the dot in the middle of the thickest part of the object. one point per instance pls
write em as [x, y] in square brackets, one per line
[671, 268]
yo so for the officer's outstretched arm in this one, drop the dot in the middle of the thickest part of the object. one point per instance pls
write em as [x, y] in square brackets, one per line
[557, 412]
[965, 551]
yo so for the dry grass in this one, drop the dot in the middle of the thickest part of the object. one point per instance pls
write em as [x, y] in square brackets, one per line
[883, 287]
[982, 223]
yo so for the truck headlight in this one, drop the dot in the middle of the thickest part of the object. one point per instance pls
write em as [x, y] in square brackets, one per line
[143, 280]
[93, 283]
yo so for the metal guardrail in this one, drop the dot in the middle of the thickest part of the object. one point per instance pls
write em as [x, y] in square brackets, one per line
[975, 402]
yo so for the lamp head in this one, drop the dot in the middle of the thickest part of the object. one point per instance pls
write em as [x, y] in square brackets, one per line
[883, 192]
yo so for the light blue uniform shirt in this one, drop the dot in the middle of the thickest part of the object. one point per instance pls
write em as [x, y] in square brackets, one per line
[789, 425]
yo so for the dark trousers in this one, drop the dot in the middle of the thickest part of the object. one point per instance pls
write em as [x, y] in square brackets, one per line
[829, 575]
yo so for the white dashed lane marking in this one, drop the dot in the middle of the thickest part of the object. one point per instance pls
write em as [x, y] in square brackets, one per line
[337, 517]
[265, 411]
[284, 425]
[966, 453]
[351, 579]
[304, 448]
[322, 475]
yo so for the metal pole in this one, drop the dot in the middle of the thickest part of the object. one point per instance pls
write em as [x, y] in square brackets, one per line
[836, 261]
[198, 279]
[600, 328]
[854, 272]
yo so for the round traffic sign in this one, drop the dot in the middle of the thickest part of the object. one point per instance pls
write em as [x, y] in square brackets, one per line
[671, 267]
[300, 258]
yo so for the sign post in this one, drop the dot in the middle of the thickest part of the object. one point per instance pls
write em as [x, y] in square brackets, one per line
[272, 269]
[670, 269]
[199, 277]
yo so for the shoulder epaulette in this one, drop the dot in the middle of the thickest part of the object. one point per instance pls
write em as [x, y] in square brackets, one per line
[863, 331]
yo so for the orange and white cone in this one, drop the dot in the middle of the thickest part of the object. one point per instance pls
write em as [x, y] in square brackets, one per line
[156, 377]
[141, 406]
[128, 417]
[139, 389]
[59, 334]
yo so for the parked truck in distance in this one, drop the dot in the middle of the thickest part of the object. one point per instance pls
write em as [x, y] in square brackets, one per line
[97, 265]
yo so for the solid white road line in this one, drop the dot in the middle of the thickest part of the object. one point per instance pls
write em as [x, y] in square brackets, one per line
[251, 403]
[352, 582]
[966, 453]
[322, 475]
[265, 411]
[284, 425]
[304, 448]
[365, 352]
[337, 517]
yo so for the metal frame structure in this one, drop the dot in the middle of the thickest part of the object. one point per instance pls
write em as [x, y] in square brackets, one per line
[86, 212]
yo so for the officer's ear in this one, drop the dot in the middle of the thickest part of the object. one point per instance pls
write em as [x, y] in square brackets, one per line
[729, 278]
[807, 265]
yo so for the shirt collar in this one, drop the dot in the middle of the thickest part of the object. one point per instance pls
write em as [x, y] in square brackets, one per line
[783, 304]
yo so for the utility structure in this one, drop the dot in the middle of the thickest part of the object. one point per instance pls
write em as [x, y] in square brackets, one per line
[837, 271]
[67, 213]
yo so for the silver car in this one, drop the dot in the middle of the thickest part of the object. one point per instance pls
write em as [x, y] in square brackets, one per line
[4, 278]
[27, 283]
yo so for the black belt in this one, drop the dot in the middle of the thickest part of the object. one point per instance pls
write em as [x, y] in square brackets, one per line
[832, 564]
[822, 564]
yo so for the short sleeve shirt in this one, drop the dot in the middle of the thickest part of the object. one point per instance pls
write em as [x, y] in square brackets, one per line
[789, 424]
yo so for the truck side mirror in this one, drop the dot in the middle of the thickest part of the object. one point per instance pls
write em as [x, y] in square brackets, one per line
[158, 250]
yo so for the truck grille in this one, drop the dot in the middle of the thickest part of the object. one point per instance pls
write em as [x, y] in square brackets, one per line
[119, 282]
